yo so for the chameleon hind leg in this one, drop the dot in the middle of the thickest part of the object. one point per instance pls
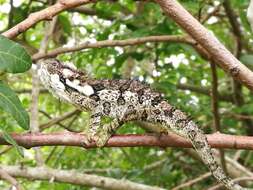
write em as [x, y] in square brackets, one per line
[100, 133]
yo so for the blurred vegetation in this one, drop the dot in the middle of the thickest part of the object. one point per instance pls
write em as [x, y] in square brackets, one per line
[163, 65]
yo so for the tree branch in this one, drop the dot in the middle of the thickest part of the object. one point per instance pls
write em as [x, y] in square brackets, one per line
[113, 43]
[216, 140]
[84, 10]
[74, 177]
[205, 91]
[215, 10]
[6, 176]
[235, 169]
[215, 110]
[239, 179]
[91, 12]
[45, 14]
[220, 54]
[58, 119]
[193, 181]
[28, 91]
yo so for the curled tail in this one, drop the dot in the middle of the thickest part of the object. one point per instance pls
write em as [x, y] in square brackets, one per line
[178, 122]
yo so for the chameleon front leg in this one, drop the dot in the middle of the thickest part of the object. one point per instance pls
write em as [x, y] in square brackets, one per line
[98, 133]
[106, 132]
[93, 129]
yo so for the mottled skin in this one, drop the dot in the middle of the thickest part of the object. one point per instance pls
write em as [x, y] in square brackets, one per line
[125, 100]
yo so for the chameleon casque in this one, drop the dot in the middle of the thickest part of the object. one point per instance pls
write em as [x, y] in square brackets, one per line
[123, 101]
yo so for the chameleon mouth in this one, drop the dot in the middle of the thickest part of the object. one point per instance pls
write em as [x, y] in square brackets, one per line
[52, 82]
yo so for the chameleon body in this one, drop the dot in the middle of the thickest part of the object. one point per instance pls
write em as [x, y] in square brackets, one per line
[125, 100]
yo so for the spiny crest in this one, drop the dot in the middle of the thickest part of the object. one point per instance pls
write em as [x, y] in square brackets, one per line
[67, 71]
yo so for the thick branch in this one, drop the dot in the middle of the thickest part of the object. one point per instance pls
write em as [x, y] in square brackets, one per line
[223, 57]
[113, 43]
[45, 14]
[6, 176]
[74, 177]
[217, 140]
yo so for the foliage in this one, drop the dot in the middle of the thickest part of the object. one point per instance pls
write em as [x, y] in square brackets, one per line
[162, 65]
[11, 104]
[13, 59]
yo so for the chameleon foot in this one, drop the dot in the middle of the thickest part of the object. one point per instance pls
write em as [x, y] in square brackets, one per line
[101, 135]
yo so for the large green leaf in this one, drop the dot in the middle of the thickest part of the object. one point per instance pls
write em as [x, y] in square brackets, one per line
[13, 57]
[10, 103]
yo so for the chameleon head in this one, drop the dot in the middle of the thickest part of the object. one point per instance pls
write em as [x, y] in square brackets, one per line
[64, 81]
[50, 73]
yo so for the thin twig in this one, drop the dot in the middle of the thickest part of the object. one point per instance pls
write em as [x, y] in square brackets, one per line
[113, 43]
[68, 128]
[11, 13]
[193, 181]
[212, 13]
[240, 179]
[5, 150]
[239, 45]
[205, 91]
[235, 168]
[91, 12]
[28, 91]
[155, 165]
[215, 110]
[238, 116]
[59, 119]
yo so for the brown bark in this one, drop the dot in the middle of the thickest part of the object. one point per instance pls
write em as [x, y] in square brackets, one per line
[45, 14]
[6, 176]
[113, 43]
[216, 140]
[207, 40]
[75, 177]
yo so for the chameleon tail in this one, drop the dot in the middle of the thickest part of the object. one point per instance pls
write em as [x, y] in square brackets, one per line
[183, 126]
[200, 143]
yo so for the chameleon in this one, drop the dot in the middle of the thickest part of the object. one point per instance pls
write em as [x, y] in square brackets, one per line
[124, 100]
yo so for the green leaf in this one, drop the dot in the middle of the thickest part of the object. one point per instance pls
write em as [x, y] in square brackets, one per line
[11, 141]
[13, 57]
[66, 25]
[10, 103]
[19, 14]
